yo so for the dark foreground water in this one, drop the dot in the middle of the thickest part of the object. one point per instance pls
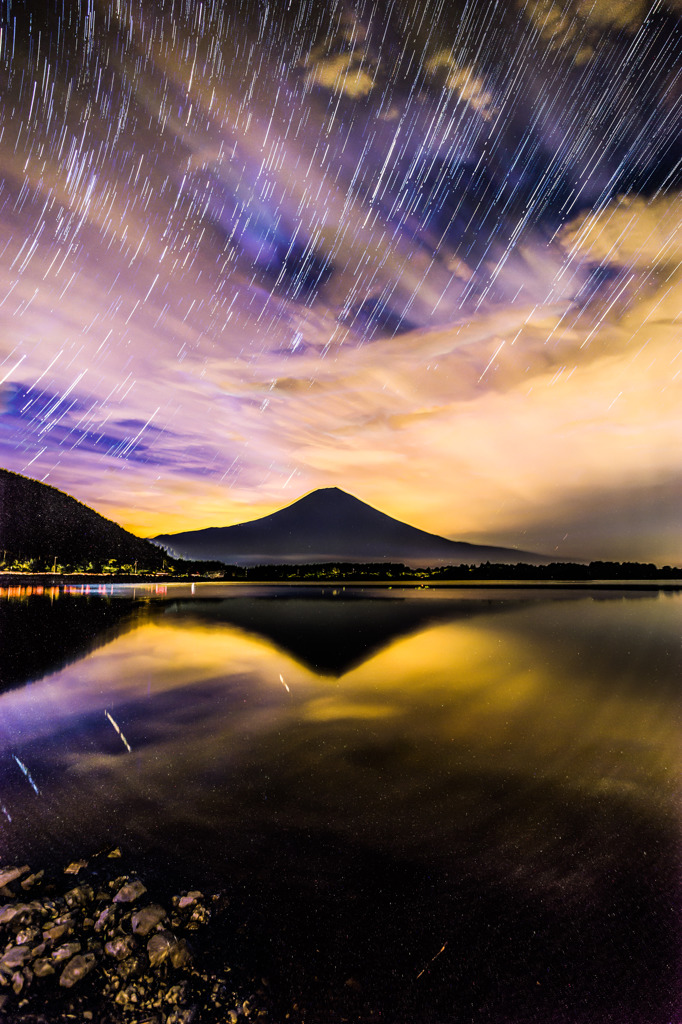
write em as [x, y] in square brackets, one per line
[425, 806]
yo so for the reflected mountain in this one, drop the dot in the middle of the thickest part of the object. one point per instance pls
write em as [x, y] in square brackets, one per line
[329, 632]
[40, 636]
[337, 633]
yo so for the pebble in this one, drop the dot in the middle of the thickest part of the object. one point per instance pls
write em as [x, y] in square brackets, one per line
[119, 947]
[9, 875]
[10, 911]
[15, 956]
[75, 867]
[77, 969]
[104, 918]
[67, 950]
[159, 947]
[57, 931]
[130, 892]
[28, 883]
[42, 967]
[79, 896]
[148, 918]
[139, 971]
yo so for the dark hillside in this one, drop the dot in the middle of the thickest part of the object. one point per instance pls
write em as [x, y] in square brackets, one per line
[38, 522]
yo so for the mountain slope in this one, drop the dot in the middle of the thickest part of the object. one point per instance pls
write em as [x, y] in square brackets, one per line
[331, 525]
[39, 522]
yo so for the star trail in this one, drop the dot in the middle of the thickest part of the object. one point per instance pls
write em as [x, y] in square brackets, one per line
[426, 252]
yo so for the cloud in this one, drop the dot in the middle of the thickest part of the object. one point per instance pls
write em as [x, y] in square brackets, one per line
[213, 234]
[577, 26]
[532, 410]
[640, 232]
[340, 73]
[463, 80]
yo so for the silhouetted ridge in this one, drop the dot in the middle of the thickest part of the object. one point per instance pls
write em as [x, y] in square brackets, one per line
[329, 525]
[38, 522]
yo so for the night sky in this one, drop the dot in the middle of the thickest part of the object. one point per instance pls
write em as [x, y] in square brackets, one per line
[429, 252]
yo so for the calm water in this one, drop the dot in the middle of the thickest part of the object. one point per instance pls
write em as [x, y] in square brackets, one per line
[485, 784]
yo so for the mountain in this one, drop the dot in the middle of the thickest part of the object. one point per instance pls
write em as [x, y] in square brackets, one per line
[39, 522]
[329, 525]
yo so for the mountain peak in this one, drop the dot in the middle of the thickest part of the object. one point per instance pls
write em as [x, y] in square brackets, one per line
[327, 494]
[331, 491]
[328, 524]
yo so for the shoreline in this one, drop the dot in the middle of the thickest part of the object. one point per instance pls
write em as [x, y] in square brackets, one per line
[59, 581]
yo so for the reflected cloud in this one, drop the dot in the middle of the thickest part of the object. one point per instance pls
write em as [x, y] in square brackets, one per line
[526, 760]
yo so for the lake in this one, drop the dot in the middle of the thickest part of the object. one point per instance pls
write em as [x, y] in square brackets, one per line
[425, 805]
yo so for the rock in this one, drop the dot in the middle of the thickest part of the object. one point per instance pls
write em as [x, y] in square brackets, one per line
[148, 973]
[200, 915]
[77, 969]
[32, 880]
[15, 956]
[180, 954]
[26, 936]
[12, 910]
[9, 875]
[159, 947]
[119, 947]
[184, 1016]
[188, 899]
[176, 994]
[127, 968]
[42, 967]
[79, 896]
[143, 921]
[130, 892]
[106, 917]
[69, 949]
[127, 996]
[75, 867]
[58, 931]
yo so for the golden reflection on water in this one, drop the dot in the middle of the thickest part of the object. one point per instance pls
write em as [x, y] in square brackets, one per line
[21, 592]
[487, 692]
[423, 727]
[472, 685]
[524, 762]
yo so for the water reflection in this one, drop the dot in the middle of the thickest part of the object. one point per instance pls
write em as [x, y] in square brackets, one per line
[333, 635]
[505, 782]
[42, 629]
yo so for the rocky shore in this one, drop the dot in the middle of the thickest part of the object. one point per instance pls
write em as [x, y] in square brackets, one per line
[92, 944]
